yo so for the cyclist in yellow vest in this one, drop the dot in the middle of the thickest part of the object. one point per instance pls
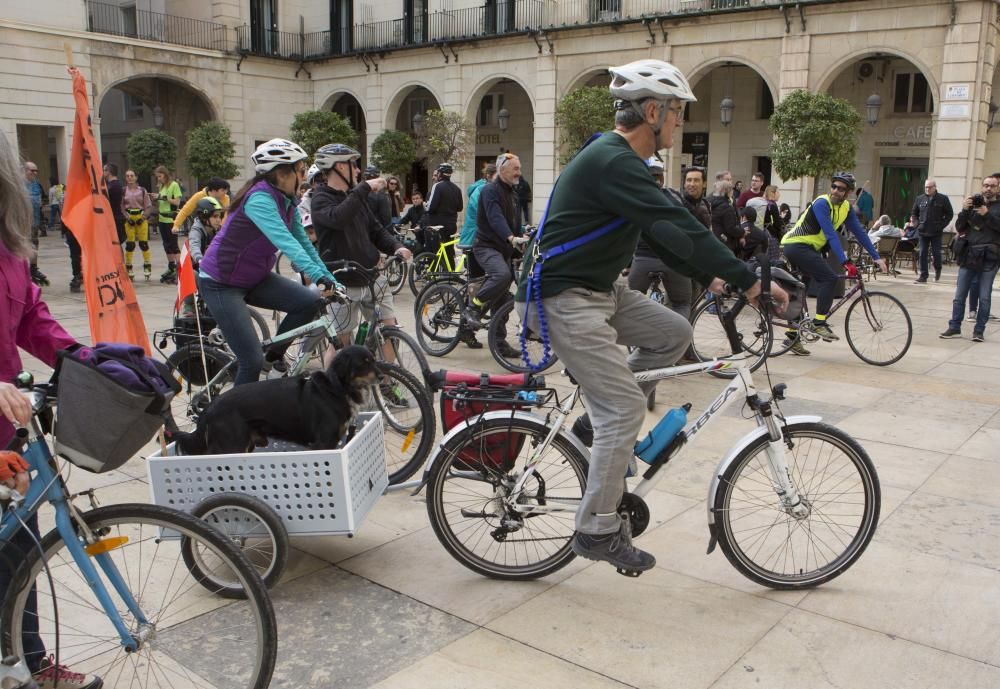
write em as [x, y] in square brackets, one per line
[816, 230]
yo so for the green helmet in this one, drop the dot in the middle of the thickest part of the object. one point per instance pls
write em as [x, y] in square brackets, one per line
[207, 206]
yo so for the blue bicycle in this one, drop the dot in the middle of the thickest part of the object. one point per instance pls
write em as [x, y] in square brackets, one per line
[133, 593]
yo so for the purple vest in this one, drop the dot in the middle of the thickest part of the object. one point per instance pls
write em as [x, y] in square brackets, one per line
[241, 255]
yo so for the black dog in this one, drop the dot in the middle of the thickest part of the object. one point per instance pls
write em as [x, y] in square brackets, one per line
[308, 410]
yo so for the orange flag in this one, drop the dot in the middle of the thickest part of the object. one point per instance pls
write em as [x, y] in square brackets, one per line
[185, 276]
[111, 303]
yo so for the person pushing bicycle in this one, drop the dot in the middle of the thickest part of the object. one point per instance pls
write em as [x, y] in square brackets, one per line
[569, 291]
[816, 230]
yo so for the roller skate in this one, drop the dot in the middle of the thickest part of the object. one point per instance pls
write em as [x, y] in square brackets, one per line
[169, 277]
[147, 270]
[38, 277]
[131, 273]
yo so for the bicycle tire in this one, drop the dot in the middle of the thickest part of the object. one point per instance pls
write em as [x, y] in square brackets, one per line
[749, 475]
[195, 635]
[417, 274]
[395, 272]
[709, 341]
[406, 352]
[408, 420]
[507, 317]
[878, 313]
[438, 312]
[250, 523]
[488, 543]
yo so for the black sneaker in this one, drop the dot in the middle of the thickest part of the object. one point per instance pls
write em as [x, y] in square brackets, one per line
[978, 337]
[583, 430]
[76, 285]
[473, 317]
[615, 548]
[950, 333]
[469, 338]
[920, 281]
[937, 275]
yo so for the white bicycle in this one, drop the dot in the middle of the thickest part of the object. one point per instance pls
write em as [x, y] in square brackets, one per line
[793, 504]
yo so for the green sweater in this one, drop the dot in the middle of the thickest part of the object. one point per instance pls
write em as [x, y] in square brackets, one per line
[608, 180]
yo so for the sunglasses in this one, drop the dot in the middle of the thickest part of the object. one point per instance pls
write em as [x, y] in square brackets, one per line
[839, 187]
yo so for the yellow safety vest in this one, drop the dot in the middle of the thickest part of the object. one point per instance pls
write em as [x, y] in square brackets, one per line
[807, 229]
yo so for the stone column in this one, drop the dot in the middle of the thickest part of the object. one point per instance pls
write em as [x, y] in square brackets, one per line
[794, 76]
[374, 109]
[545, 149]
[962, 107]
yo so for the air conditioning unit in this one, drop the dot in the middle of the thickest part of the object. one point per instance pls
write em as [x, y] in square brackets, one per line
[865, 70]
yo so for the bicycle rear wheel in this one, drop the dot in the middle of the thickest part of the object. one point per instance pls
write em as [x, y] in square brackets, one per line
[405, 351]
[479, 520]
[438, 312]
[835, 479]
[709, 339]
[408, 417]
[194, 638]
[504, 337]
[395, 273]
[878, 328]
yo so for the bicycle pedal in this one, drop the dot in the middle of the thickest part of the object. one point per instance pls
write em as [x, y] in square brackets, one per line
[631, 573]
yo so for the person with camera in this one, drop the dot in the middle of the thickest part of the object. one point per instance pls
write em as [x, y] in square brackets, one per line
[978, 253]
[931, 214]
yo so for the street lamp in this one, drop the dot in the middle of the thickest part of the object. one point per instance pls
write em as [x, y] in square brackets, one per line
[503, 119]
[158, 117]
[726, 108]
[872, 106]
[418, 124]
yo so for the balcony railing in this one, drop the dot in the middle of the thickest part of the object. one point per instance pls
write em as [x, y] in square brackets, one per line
[117, 20]
[497, 19]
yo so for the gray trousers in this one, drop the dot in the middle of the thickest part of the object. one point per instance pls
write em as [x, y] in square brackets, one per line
[584, 329]
[677, 287]
[498, 275]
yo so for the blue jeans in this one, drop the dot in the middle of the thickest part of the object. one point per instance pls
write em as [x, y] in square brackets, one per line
[230, 308]
[934, 244]
[974, 292]
[11, 556]
[965, 278]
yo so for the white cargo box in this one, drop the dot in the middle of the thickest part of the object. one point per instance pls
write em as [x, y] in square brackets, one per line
[315, 492]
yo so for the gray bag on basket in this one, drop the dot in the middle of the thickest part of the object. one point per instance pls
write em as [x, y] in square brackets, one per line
[100, 422]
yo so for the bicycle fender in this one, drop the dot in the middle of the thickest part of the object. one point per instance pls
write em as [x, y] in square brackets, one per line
[730, 456]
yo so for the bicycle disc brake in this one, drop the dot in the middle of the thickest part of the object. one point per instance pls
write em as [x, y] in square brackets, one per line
[637, 511]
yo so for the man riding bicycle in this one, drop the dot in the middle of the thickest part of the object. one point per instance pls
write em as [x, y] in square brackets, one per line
[815, 230]
[588, 311]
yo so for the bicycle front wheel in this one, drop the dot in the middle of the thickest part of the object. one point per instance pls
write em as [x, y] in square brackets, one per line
[477, 516]
[418, 271]
[709, 339]
[408, 416]
[878, 328]
[438, 312]
[395, 273]
[836, 481]
[504, 337]
[189, 636]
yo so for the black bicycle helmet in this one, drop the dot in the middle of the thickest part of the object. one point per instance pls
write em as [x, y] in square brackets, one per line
[845, 177]
[327, 155]
[371, 172]
[445, 169]
[207, 206]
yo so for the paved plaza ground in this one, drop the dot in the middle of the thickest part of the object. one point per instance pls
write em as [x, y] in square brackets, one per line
[391, 609]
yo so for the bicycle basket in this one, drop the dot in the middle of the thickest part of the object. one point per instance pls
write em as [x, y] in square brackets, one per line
[101, 421]
[460, 404]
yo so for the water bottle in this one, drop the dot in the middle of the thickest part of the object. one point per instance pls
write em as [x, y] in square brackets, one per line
[529, 396]
[362, 334]
[662, 434]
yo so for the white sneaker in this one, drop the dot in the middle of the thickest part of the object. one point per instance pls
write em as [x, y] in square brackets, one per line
[971, 316]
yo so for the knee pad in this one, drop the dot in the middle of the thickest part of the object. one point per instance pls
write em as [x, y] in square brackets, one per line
[143, 246]
[130, 246]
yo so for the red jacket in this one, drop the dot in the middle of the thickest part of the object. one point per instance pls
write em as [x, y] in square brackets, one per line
[25, 322]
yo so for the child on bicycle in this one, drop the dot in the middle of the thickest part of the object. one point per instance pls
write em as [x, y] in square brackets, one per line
[25, 322]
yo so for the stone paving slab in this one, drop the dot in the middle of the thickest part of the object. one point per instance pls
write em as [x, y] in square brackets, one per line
[390, 608]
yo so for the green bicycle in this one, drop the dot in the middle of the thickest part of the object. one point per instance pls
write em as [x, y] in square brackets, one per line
[428, 266]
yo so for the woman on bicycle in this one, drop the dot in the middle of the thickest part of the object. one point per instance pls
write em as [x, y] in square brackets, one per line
[804, 244]
[25, 322]
[236, 270]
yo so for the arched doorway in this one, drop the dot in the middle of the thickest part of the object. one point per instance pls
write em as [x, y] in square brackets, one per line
[735, 138]
[504, 117]
[895, 146]
[348, 107]
[406, 113]
[147, 102]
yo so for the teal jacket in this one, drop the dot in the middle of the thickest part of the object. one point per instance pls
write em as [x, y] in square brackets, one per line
[468, 234]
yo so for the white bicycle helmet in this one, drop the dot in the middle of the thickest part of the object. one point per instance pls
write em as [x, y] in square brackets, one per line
[312, 172]
[330, 154]
[275, 152]
[655, 165]
[643, 79]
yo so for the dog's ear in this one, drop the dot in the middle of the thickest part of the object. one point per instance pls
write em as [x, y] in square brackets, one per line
[321, 380]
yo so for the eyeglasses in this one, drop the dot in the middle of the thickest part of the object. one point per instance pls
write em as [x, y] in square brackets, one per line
[678, 112]
[839, 187]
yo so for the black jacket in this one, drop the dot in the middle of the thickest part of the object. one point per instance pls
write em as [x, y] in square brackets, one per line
[414, 215]
[933, 213]
[980, 229]
[498, 216]
[725, 221]
[346, 229]
[444, 205]
[700, 209]
[381, 207]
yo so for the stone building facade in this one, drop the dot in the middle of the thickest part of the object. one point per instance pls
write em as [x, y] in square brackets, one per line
[253, 64]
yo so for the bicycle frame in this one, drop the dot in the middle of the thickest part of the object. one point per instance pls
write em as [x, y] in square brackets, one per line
[47, 486]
